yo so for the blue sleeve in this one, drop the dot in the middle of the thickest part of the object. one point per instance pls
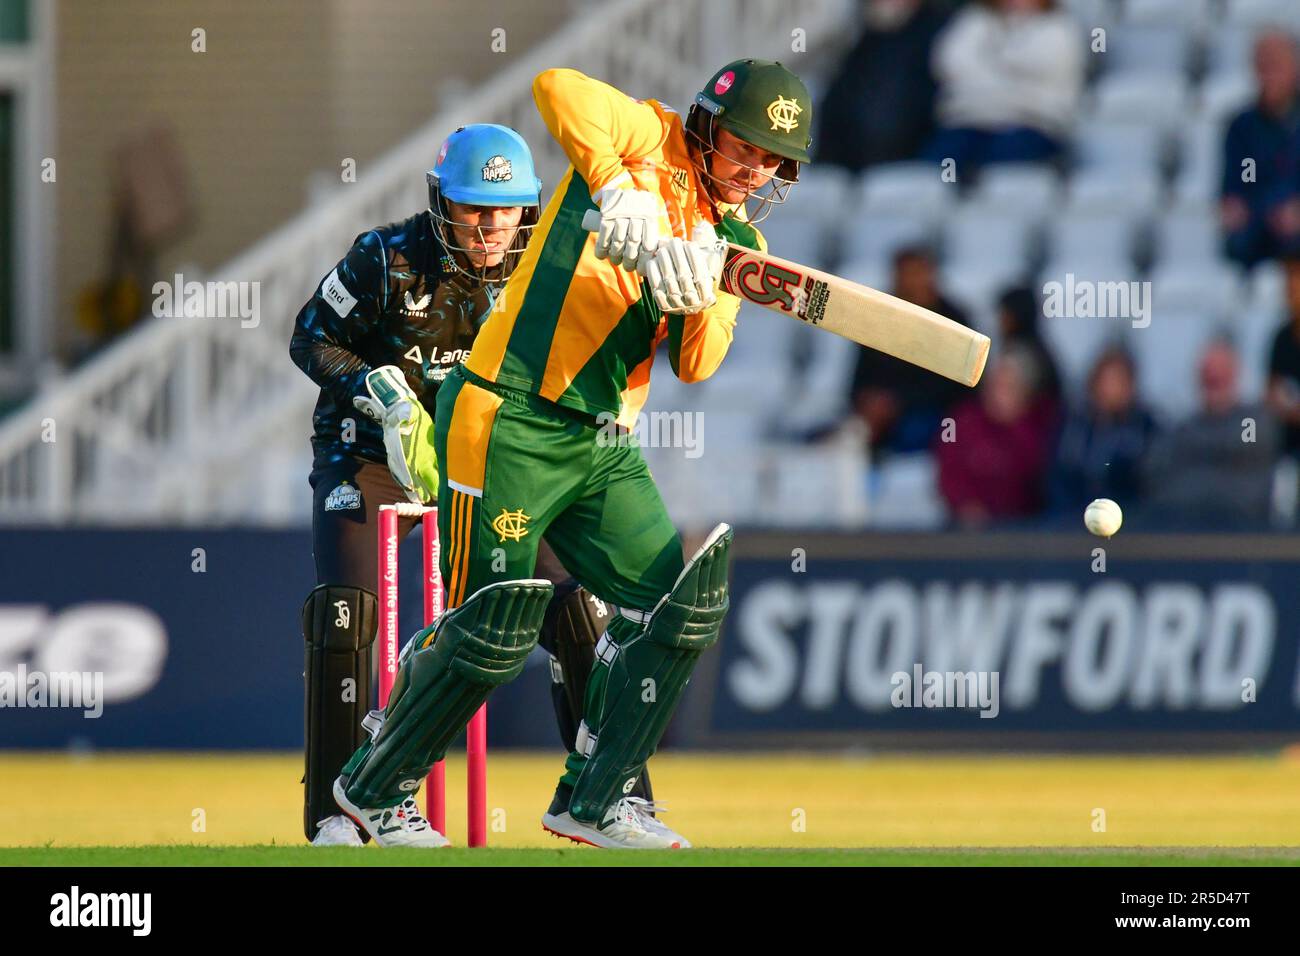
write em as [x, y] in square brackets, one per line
[1235, 149]
[344, 313]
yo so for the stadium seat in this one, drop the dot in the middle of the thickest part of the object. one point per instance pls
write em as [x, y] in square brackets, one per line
[1029, 189]
[1253, 330]
[1178, 287]
[1201, 163]
[914, 187]
[1091, 12]
[697, 499]
[877, 236]
[876, 272]
[977, 236]
[1189, 234]
[1076, 342]
[1225, 94]
[824, 193]
[905, 493]
[1229, 48]
[1167, 353]
[1087, 240]
[1157, 98]
[821, 396]
[975, 290]
[1109, 145]
[765, 336]
[1149, 47]
[1135, 192]
[801, 238]
[1193, 14]
[1259, 13]
[1267, 287]
[820, 485]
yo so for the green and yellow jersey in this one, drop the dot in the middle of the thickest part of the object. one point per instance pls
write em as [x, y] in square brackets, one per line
[575, 329]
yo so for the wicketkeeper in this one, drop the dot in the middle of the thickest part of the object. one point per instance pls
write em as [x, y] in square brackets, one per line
[526, 453]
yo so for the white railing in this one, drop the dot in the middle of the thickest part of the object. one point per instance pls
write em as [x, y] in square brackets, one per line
[200, 419]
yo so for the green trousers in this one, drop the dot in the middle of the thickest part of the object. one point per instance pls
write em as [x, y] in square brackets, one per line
[516, 468]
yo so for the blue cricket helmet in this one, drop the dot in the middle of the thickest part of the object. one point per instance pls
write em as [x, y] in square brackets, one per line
[485, 165]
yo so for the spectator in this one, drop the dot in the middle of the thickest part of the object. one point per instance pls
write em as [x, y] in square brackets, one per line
[1010, 73]
[879, 107]
[1283, 395]
[994, 464]
[1216, 468]
[902, 404]
[1103, 444]
[1260, 212]
[1019, 310]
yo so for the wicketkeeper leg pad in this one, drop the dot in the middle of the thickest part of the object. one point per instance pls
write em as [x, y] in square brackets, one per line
[638, 681]
[440, 683]
[338, 624]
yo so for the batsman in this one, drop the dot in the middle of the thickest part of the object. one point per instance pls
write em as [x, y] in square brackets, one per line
[532, 436]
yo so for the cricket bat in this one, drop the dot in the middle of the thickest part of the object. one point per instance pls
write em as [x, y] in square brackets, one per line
[856, 312]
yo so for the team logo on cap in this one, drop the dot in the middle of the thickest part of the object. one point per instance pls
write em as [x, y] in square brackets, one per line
[784, 113]
[724, 83]
[497, 170]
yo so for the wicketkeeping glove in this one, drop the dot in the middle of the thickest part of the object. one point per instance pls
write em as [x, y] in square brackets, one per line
[629, 226]
[408, 432]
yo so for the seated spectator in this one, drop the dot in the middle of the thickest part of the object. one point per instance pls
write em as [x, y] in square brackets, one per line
[1216, 468]
[995, 465]
[879, 107]
[1283, 396]
[1010, 73]
[900, 403]
[1102, 446]
[1261, 214]
[1019, 310]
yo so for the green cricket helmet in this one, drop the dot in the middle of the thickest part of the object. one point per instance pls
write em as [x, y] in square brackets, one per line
[766, 105]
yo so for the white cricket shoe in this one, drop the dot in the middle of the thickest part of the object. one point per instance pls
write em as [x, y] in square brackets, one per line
[401, 825]
[337, 830]
[624, 828]
[646, 811]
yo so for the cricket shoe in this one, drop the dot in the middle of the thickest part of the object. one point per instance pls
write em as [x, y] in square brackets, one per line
[649, 813]
[623, 828]
[401, 825]
[337, 830]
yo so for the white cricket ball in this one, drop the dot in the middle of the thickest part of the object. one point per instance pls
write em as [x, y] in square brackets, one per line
[1103, 517]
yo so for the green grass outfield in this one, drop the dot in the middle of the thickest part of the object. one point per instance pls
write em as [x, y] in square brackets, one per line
[827, 809]
[581, 856]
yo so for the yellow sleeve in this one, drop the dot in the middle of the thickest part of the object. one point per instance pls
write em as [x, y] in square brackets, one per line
[697, 343]
[598, 127]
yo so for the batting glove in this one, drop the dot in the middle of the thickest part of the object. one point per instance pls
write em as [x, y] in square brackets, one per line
[629, 225]
[683, 276]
